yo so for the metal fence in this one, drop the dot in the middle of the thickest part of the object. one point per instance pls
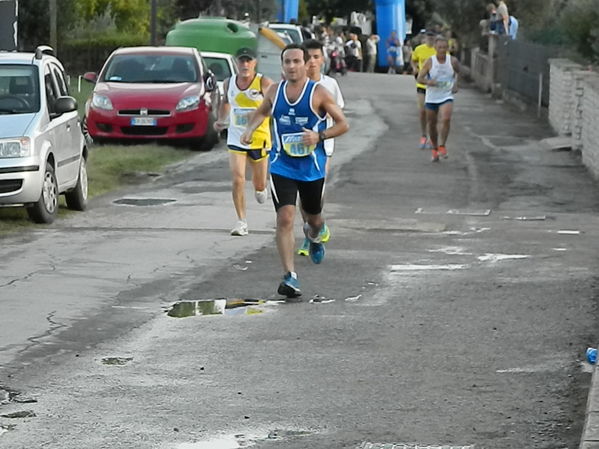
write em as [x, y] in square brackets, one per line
[523, 67]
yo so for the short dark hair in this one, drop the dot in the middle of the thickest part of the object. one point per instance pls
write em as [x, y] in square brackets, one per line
[313, 44]
[295, 46]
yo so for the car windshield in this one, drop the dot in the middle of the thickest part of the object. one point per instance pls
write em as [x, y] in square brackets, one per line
[19, 89]
[219, 66]
[293, 33]
[153, 68]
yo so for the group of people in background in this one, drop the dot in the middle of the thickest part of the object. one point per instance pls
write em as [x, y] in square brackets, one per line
[350, 51]
[500, 21]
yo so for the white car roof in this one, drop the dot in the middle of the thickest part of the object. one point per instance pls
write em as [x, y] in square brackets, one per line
[16, 58]
[214, 54]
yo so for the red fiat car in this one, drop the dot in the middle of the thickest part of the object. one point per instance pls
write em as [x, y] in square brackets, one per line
[157, 93]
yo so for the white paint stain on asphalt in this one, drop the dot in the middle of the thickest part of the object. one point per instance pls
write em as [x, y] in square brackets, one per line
[568, 232]
[469, 232]
[451, 250]
[559, 249]
[413, 267]
[489, 257]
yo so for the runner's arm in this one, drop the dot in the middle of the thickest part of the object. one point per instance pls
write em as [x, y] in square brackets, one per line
[224, 109]
[323, 101]
[424, 72]
[258, 116]
[457, 68]
[265, 83]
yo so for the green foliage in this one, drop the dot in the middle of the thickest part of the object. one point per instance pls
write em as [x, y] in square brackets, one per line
[580, 23]
[89, 54]
[128, 15]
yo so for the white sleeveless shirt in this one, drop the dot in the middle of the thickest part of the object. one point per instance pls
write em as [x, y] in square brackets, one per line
[445, 76]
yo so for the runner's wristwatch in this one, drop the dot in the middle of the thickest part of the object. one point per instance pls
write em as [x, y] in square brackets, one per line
[321, 136]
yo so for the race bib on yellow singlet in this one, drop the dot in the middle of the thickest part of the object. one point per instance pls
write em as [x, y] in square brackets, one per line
[241, 117]
[294, 147]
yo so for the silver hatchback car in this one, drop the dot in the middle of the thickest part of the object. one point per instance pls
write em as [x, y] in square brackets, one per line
[42, 149]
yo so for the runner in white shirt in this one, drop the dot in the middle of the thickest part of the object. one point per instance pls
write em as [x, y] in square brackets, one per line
[314, 70]
[440, 75]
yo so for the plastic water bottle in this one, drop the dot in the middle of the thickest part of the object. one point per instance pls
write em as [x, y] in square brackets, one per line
[592, 355]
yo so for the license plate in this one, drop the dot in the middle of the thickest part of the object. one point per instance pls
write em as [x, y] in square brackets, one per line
[143, 121]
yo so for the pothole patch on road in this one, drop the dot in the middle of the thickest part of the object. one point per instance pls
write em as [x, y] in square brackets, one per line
[367, 445]
[222, 306]
[116, 361]
[19, 414]
[143, 201]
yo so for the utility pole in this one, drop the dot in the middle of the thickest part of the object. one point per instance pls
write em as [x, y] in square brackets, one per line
[53, 27]
[152, 23]
[258, 12]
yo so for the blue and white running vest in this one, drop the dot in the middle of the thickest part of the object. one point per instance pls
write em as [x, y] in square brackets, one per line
[289, 157]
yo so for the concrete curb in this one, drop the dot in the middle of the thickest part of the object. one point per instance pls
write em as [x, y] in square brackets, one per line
[590, 431]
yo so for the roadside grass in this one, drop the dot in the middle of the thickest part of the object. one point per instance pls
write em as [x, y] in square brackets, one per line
[109, 167]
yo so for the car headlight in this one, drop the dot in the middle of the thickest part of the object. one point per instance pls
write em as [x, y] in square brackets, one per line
[16, 147]
[101, 102]
[188, 103]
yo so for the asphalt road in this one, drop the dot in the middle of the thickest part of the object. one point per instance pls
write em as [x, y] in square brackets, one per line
[454, 306]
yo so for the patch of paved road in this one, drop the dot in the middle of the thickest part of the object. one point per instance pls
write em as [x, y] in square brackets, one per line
[429, 328]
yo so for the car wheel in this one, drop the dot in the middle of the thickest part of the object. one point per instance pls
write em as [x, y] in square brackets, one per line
[211, 138]
[44, 210]
[77, 198]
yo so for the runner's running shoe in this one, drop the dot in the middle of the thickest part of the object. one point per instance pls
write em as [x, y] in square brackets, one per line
[316, 247]
[261, 196]
[316, 252]
[289, 287]
[305, 248]
[443, 151]
[424, 143]
[241, 228]
[325, 233]
[435, 157]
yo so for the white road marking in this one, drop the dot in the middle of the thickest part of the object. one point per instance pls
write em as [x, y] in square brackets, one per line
[559, 249]
[568, 232]
[413, 267]
[451, 250]
[489, 257]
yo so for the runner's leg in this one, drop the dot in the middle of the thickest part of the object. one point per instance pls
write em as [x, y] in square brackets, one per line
[237, 164]
[432, 127]
[259, 172]
[285, 237]
[445, 112]
[422, 114]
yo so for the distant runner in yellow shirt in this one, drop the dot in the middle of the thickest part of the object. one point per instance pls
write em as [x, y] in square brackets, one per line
[419, 56]
[244, 93]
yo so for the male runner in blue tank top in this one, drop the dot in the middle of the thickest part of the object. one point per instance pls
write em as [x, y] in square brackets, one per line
[299, 108]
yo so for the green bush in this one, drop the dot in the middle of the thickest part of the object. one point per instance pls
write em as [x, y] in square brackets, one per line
[89, 54]
[580, 24]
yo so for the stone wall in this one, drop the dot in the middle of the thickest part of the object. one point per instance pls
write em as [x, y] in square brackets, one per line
[561, 95]
[574, 108]
[590, 123]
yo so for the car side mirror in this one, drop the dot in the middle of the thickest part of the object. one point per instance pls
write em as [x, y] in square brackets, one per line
[210, 82]
[92, 77]
[65, 104]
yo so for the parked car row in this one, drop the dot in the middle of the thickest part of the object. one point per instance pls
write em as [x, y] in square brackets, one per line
[169, 93]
